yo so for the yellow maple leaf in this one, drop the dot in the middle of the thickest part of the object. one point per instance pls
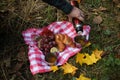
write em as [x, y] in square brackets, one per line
[97, 53]
[79, 58]
[54, 68]
[68, 68]
[93, 58]
[87, 59]
[90, 59]
[82, 77]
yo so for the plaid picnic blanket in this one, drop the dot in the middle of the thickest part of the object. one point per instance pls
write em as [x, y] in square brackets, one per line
[36, 57]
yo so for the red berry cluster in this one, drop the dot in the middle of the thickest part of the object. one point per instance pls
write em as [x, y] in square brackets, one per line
[47, 41]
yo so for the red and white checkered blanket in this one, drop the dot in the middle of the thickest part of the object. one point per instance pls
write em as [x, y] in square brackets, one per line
[36, 57]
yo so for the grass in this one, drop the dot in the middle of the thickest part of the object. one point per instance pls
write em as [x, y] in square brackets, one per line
[19, 15]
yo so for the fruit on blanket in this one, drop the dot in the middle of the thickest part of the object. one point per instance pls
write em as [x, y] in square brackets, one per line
[62, 40]
[46, 43]
[53, 50]
[46, 32]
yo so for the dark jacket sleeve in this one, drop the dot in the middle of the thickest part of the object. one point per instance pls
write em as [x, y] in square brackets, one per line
[60, 4]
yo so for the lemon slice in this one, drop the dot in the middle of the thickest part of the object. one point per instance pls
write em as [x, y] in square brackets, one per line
[53, 50]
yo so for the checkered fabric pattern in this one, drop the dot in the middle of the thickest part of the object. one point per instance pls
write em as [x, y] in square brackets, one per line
[36, 57]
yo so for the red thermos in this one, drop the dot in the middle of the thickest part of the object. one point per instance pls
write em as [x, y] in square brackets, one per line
[78, 25]
[76, 22]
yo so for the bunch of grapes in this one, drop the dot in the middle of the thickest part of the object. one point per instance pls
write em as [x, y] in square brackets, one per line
[46, 43]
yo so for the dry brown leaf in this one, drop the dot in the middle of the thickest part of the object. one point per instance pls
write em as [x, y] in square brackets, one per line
[101, 8]
[95, 10]
[97, 20]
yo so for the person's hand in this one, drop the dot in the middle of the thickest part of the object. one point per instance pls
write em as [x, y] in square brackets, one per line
[76, 13]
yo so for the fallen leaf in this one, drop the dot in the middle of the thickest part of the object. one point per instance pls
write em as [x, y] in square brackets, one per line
[68, 68]
[38, 17]
[93, 58]
[97, 20]
[79, 1]
[90, 59]
[79, 58]
[54, 68]
[101, 8]
[95, 10]
[82, 77]
[87, 59]
[97, 53]
[95, 13]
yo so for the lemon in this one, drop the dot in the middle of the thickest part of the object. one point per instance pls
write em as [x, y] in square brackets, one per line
[53, 50]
